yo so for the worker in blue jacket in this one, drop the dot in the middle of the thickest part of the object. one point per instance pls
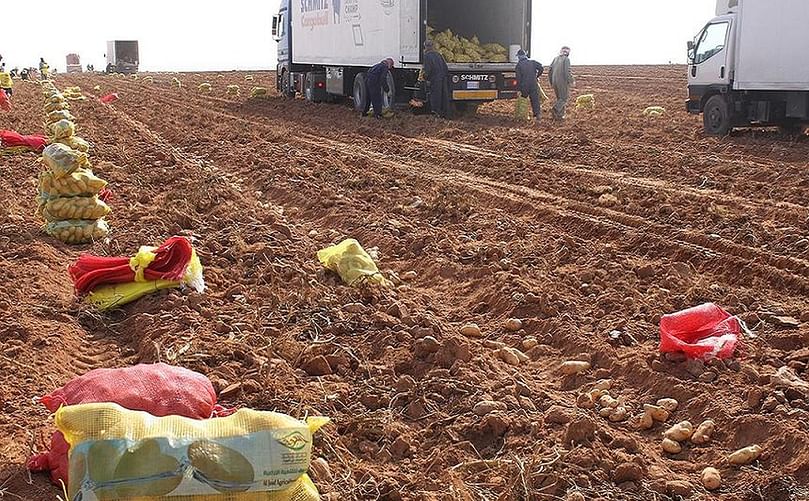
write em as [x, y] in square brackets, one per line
[436, 73]
[528, 72]
[376, 81]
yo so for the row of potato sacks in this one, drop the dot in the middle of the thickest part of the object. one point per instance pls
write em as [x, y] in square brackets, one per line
[68, 190]
[457, 49]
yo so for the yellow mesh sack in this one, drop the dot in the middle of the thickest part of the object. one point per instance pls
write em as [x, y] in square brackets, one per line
[62, 129]
[349, 260]
[521, 108]
[251, 455]
[77, 183]
[62, 160]
[62, 208]
[77, 231]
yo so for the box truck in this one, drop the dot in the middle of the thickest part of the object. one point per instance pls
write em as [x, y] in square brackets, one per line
[325, 47]
[73, 63]
[122, 56]
[749, 66]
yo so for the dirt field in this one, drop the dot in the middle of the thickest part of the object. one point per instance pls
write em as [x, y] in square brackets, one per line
[497, 219]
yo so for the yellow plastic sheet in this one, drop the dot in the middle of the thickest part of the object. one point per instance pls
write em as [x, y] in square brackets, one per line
[349, 260]
[248, 456]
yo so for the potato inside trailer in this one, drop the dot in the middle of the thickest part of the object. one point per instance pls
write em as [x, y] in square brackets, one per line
[504, 22]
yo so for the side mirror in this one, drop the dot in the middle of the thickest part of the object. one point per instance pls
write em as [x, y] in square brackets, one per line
[275, 26]
[690, 45]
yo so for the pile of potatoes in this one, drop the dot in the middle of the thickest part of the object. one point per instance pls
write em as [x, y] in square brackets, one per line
[68, 190]
[456, 49]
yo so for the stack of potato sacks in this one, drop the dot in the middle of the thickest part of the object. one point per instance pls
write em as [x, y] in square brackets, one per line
[68, 189]
[457, 49]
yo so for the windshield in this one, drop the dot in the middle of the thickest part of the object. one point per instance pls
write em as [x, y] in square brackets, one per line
[711, 42]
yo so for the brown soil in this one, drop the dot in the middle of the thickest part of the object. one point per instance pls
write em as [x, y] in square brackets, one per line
[497, 219]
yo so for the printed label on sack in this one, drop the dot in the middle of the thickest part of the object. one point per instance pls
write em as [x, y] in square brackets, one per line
[120, 468]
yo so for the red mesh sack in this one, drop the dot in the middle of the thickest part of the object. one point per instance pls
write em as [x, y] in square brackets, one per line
[702, 332]
[109, 98]
[159, 389]
[5, 104]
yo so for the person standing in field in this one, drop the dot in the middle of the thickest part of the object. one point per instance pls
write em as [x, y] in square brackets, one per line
[43, 68]
[528, 72]
[436, 73]
[561, 78]
[376, 81]
[6, 83]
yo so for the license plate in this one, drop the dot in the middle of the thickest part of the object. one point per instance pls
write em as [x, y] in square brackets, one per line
[473, 85]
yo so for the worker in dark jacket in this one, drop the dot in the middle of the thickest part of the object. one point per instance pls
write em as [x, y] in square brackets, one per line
[436, 73]
[528, 71]
[376, 81]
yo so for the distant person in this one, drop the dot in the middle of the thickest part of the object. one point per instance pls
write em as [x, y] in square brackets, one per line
[2, 67]
[528, 71]
[14, 72]
[24, 74]
[6, 83]
[376, 81]
[43, 69]
[561, 78]
[436, 73]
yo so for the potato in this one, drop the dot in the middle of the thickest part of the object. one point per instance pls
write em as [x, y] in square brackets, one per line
[668, 403]
[471, 330]
[657, 413]
[603, 384]
[711, 479]
[608, 402]
[702, 435]
[745, 456]
[680, 432]
[646, 422]
[508, 356]
[572, 367]
[671, 446]
[513, 324]
[618, 414]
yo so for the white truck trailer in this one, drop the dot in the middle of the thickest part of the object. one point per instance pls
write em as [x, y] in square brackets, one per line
[749, 66]
[122, 56]
[326, 46]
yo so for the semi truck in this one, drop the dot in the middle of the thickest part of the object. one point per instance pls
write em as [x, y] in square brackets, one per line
[122, 56]
[325, 47]
[749, 66]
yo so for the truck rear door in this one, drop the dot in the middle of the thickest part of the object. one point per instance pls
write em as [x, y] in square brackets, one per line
[410, 31]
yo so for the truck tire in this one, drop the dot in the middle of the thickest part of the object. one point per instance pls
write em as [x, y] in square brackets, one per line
[360, 94]
[466, 109]
[716, 117]
[389, 98]
[286, 86]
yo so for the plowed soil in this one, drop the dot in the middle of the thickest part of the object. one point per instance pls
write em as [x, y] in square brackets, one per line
[481, 219]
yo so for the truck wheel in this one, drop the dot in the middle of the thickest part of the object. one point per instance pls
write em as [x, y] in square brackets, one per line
[360, 95]
[389, 98]
[791, 129]
[466, 109]
[716, 117]
[286, 87]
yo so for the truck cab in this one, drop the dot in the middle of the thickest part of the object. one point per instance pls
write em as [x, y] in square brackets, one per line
[745, 68]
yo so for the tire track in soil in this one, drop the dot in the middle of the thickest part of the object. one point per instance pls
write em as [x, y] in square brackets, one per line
[773, 269]
[791, 263]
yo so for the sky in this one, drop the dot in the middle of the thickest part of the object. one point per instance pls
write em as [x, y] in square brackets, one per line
[235, 34]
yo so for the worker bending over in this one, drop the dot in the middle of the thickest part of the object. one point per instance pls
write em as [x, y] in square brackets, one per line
[376, 81]
[436, 73]
[561, 78]
[528, 71]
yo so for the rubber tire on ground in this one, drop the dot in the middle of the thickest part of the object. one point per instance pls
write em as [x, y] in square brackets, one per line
[389, 98]
[716, 117]
[465, 109]
[360, 94]
[286, 90]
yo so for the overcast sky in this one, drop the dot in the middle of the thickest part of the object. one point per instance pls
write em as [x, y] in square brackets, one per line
[235, 34]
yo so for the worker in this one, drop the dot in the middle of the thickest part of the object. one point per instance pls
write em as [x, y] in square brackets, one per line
[376, 81]
[6, 83]
[436, 73]
[528, 71]
[24, 74]
[43, 68]
[561, 78]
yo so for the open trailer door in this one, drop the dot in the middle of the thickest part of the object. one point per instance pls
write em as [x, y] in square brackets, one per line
[410, 31]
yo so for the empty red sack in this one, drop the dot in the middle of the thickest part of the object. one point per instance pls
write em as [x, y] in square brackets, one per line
[5, 104]
[109, 98]
[701, 332]
[159, 389]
